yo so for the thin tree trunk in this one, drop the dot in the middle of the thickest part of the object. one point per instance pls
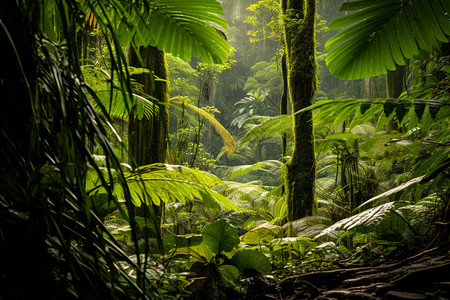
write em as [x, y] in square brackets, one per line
[301, 58]
[284, 104]
[394, 87]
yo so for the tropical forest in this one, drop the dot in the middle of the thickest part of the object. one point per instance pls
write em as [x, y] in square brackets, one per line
[225, 149]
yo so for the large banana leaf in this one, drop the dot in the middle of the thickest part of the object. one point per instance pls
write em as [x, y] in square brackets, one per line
[181, 27]
[382, 33]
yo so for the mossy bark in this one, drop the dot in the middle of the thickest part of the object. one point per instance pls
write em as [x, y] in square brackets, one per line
[284, 104]
[147, 137]
[301, 59]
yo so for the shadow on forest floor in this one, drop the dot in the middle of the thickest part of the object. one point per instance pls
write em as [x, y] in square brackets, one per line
[422, 276]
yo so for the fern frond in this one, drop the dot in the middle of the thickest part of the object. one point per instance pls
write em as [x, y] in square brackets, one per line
[370, 217]
[269, 126]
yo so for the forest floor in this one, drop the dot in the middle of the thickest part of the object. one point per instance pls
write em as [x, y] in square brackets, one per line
[423, 276]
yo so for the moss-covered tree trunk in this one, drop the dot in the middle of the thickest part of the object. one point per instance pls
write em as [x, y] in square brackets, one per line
[301, 59]
[147, 142]
[284, 105]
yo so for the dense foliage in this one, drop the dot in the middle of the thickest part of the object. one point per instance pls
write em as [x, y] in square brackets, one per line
[71, 221]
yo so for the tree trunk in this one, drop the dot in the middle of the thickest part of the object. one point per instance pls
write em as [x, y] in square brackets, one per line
[301, 59]
[147, 141]
[370, 88]
[284, 105]
[394, 87]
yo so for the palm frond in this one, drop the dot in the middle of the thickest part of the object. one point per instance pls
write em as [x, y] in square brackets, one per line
[380, 34]
[392, 191]
[100, 81]
[414, 111]
[182, 28]
[158, 183]
[227, 138]
[271, 166]
[269, 126]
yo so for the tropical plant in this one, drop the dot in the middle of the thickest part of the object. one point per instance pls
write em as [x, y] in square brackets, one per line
[380, 34]
[44, 167]
[216, 263]
[253, 105]
[266, 77]
[419, 121]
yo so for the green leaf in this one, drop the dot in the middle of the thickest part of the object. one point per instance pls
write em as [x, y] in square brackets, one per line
[183, 28]
[220, 236]
[261, 235]
[392, 191]
[252, 259]
[267, 166]
[382, 32]
[181, 241]
[370, 217]
[169, 183]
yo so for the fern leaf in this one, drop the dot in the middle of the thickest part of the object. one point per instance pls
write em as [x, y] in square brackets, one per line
[392, 191]
[370, 217]
[269, 126]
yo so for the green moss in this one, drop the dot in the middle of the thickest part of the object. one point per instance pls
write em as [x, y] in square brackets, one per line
[300, 48]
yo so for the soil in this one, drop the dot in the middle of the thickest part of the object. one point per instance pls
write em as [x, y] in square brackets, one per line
[422, 276]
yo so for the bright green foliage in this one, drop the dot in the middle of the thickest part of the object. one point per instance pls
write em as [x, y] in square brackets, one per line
[256, 103]
[270, 166]
[99, 79]
[167, 183]
[265, 20]
[181, 28]
[266, 76]
[220, 236]
[383, 33]
[182, 77]
[269, 126]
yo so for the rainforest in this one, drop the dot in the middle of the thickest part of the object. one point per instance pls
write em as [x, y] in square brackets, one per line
[225, 149]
